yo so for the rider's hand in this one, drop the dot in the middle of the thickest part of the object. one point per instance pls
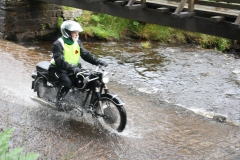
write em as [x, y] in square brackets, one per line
[103, 63]
[77, 70]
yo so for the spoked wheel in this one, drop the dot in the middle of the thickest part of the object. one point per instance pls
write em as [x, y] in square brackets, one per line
[114, 116]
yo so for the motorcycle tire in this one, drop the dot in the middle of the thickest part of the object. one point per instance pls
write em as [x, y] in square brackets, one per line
[115, 115]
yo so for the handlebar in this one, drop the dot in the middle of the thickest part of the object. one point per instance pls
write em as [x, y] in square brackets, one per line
[87, 73]
[79, 73]
[99, 66]
[87, 76]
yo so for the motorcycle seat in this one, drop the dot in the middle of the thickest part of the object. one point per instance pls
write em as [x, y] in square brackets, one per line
[43, 66]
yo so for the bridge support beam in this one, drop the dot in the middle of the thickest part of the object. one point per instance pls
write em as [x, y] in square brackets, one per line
[217, 18]
[238, 20]
[91, 1]
[131, 4]
[178, 12]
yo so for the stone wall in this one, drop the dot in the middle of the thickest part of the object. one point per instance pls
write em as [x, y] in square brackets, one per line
[29, 20]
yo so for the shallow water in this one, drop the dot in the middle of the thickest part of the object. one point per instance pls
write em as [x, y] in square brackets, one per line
[154, 83]
[200, 80]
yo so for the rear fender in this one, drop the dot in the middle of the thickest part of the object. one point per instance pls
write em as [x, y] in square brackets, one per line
[35, 83]
[34, 75]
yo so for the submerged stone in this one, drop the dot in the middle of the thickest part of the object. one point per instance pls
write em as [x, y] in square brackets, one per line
[219, 118]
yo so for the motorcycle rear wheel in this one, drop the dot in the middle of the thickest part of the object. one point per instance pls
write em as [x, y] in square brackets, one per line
[115, 117]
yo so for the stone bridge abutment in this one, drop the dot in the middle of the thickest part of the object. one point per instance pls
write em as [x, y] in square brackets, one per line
[28, 20]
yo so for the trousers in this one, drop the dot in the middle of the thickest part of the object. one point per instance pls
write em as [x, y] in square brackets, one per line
[65, 83]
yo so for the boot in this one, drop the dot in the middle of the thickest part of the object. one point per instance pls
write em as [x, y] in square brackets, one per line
[61, 93]
[58, 105]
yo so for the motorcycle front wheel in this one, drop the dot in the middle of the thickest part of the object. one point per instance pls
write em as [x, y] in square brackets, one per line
[114, 116]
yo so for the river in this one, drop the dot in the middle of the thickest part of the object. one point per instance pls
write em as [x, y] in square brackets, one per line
[203, 81]
[171, 93]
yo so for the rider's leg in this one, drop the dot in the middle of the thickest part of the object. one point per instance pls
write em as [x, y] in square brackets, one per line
[62, 92]
[66, 85]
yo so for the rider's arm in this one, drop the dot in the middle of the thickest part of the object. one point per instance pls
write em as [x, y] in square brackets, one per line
[57, 50]
[87, 56]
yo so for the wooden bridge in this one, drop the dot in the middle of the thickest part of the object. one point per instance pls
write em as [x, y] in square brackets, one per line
[214, 17]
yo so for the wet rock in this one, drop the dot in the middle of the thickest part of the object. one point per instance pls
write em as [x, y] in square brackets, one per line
[219, 118]
[205, 74]
[236, 76]
[237, 81]
[71, 14]
[120, 62]
[236, 71]
[113, 43]
[199, 61]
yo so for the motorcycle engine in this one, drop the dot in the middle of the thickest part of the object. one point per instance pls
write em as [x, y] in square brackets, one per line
[79, 82]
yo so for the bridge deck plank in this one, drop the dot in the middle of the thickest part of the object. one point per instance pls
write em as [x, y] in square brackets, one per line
[217, 1]
[197, 7]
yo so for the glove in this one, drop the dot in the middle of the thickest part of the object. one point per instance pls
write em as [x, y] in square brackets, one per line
[103, 63]
[77, 70]
[79, 65]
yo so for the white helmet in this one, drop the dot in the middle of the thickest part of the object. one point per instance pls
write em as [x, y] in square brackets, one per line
[68, 26]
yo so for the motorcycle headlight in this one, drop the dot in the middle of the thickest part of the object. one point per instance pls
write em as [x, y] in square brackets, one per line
[105, 77]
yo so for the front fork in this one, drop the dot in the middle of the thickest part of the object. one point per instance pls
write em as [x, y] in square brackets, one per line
[98, 92]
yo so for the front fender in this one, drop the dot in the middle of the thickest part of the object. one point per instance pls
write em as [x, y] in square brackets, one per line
[116, 99]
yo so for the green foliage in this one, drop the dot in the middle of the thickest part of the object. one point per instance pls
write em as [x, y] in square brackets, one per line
[99, 31]
[84, 20]
[114, 28]
[223, 43]
[67, 8]
[60, 21]
[178, 36]
[156, 32]
[146, 44]
[208, 41]
[14, 154]
[102, 25]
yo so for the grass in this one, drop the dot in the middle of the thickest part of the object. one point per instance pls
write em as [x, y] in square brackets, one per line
[146, 44]
[6, 154]
[102, 26]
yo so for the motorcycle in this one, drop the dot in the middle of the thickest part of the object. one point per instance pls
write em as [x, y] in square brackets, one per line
[89, 93]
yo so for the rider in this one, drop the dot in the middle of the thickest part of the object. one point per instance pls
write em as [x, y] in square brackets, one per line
[66, 53]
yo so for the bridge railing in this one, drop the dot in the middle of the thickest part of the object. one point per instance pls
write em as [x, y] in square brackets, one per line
[226, 4]
[230, 4]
